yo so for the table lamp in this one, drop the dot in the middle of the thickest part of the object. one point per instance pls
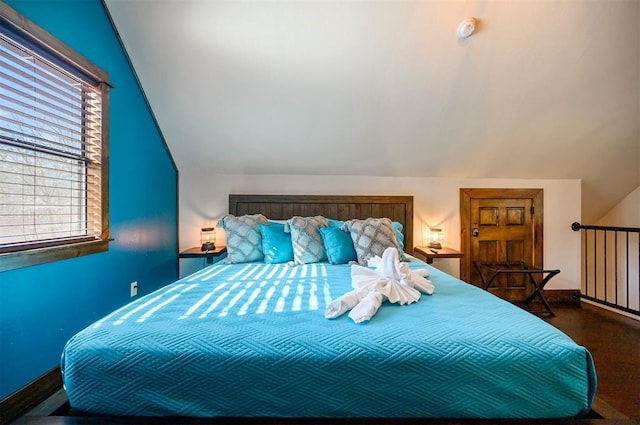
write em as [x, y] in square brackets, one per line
[435, 238]
[208, 238]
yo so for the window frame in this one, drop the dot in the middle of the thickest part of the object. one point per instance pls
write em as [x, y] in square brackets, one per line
[54, 49]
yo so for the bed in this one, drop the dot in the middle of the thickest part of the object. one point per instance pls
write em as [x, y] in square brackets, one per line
[250, 340]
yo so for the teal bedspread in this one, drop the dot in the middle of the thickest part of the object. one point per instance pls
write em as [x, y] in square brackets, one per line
[252, 340]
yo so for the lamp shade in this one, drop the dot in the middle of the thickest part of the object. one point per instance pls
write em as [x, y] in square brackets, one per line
[435, 238]
[208, 238]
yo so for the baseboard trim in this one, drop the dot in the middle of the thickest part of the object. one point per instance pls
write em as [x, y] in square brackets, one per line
[30, 396]
[51, 405]
[571, 296]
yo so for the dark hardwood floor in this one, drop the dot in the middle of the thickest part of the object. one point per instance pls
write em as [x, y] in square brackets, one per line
[614, 343]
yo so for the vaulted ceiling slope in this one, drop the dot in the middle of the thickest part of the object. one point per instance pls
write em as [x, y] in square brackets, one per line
[543, 89]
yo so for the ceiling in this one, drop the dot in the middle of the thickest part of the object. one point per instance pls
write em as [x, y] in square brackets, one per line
[542, 90]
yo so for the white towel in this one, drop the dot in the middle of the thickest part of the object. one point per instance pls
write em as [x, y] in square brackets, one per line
[390, 280]
[421, 284]
[365, 309]
[416, 279]
[421, 272]
[388, 265]
[341, 305]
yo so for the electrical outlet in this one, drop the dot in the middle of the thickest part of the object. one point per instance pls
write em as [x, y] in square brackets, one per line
[134, 289]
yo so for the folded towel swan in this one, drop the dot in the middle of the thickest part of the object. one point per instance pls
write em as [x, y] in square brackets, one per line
[390, 280]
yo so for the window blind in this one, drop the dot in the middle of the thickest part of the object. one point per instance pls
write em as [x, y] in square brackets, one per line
[50, 151]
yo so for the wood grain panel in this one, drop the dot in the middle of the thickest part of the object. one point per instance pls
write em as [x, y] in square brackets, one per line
[515, 216]
[488, 217]
[339, 207]
[515, 250]
[487, 253]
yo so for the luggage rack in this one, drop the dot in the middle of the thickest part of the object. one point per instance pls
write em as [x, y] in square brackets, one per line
[519, 267]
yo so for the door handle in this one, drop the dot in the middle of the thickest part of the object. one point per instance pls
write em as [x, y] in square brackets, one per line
[475, 232]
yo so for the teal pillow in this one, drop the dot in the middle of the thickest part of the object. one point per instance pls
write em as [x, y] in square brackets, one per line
[397, 229]
[335, 223]
[338, 245]
[276, 244]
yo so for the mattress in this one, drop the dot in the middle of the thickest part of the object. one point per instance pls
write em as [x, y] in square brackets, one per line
[251, 340]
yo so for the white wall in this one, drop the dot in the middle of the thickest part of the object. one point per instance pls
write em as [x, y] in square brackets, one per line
[204, 199]
[625, 214]
[545, 89]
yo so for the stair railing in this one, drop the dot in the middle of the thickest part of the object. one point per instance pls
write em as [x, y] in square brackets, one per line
[611, 266]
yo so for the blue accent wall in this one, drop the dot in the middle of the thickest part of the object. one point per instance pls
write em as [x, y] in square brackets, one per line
[42, 306]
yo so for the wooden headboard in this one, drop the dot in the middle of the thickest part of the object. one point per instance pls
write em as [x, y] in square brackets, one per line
[339, 207]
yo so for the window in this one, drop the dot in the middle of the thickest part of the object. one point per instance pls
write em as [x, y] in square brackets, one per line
[53, 168]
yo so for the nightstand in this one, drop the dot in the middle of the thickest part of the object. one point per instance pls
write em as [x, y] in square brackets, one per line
[428, 254]
[210, 255]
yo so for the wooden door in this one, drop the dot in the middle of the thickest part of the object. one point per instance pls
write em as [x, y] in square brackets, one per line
[497, 226]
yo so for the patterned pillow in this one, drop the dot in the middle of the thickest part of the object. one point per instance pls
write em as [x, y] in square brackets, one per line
[397, 227]
[306, 240]
[244, 241]
[371, 237]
